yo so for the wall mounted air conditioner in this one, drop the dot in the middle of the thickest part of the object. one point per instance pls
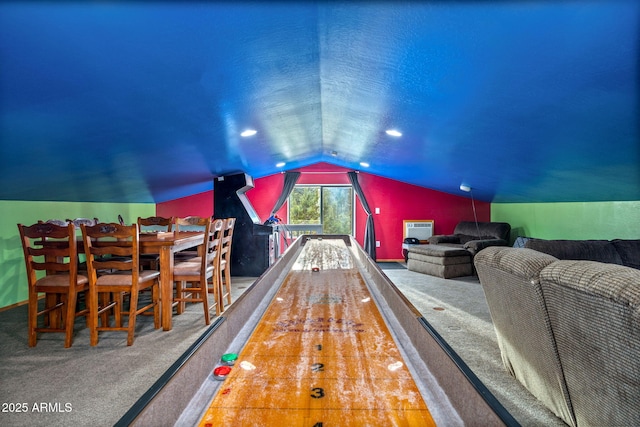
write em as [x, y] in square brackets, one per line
[419, 229]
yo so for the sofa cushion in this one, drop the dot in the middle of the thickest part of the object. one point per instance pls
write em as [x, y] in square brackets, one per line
[629, 251]
[441, 238]
[440, 270]
[438, 251]
[464, 238]
[588, 250]
[440, 260]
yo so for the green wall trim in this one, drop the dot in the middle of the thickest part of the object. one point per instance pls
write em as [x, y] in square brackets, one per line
[13, 276]
[570, 220]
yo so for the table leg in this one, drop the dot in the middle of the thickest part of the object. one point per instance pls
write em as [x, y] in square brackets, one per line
[53, 319]
[166, 286]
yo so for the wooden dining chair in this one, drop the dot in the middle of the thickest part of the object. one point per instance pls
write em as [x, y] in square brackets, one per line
[225, 260]
[61, 283]
[60, 222]
[82, 266]
[188, 223]
[114, 248]
[86, 221]
[192, 276]
[153, 224]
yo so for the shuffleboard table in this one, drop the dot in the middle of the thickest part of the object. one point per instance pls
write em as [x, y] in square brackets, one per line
[321, 339]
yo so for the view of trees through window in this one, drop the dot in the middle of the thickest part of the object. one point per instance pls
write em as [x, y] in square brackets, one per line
[331, 206]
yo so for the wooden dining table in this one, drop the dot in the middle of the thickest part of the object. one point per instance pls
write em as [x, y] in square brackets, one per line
[166, 244]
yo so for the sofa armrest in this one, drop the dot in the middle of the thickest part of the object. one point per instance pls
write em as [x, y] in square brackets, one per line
[521, 263]
[510, 280]
[605, 281]
[444, 238]
[475, 246]
[594, 313]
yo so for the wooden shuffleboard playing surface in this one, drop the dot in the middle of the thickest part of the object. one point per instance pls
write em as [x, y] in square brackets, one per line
[322, 355]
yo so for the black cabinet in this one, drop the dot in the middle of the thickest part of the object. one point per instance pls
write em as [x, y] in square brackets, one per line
[252, 241]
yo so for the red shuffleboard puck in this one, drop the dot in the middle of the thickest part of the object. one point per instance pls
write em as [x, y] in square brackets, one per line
[221, 372]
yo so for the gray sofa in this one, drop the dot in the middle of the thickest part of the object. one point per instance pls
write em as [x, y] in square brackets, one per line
[474, 236]
[567, 319]
[451, 255]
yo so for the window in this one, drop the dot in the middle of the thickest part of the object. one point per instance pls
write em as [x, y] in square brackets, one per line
[328, 208]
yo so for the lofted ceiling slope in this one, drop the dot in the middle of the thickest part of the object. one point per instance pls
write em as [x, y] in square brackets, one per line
[533, 101]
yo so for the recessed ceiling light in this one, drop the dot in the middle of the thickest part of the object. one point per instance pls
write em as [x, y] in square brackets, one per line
[248, 132]
[364, 164]
[393, 132]
[280, 165]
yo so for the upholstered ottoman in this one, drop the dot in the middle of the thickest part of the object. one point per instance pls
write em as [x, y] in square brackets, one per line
[440, 261]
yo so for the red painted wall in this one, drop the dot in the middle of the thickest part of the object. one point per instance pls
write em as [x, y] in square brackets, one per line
[197, 205]
[397, 201]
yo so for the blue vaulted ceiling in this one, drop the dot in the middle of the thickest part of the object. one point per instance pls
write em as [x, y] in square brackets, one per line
[524, 101]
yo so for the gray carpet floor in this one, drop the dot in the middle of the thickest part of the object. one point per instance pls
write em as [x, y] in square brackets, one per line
[83, 385]
[95, 386]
